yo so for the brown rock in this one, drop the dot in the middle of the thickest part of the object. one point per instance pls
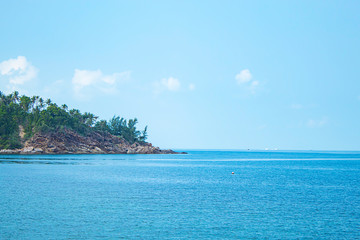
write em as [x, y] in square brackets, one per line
[70, 142]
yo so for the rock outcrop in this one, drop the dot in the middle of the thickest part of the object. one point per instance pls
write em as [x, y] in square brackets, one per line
[70, 142]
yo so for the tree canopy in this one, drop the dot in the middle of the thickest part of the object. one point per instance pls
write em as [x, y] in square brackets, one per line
[34, 114]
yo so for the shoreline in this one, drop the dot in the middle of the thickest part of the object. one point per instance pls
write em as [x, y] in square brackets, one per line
[71, 142]
[41, 152]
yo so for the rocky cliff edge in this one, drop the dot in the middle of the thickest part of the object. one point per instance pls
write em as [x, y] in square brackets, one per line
[70, 142]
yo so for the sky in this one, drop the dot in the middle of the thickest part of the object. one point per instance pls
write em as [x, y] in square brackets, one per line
[201, 74]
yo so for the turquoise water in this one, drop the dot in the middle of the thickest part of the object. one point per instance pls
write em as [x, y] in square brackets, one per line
[271, 195]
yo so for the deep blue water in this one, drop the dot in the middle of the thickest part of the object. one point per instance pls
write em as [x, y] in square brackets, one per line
[271, 195]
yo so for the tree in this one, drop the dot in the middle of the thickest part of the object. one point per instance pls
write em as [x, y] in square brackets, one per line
[48, 102]
[102, 126]
[32, 102]
[25, 103]
[15, 97]
[89, 119]
[144, 135]
[117, 125]
[31, 113]
[41, 103]
[129, 132]
[64, 107]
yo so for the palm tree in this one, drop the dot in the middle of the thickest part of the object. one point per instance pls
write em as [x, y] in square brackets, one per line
[102, 125]
[32, 102]
[8, 99]
[25, 103]
[76, 115]
[117, 125]
[2, 96]
[144, 135]
[89, 119]
[15, 97]
[64, 107]
[48, 102]
[41, 103]
[131, 134]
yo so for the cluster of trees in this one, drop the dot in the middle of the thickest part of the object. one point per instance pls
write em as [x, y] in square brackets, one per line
[35, 114]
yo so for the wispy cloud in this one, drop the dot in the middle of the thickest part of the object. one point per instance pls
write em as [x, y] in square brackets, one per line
[313, 123]
[245, 79]
[167, 84]
[191, 87]
[171, 84]
[87, 82]
[17, 71]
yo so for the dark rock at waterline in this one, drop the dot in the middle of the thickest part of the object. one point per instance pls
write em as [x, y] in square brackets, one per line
[70, 142]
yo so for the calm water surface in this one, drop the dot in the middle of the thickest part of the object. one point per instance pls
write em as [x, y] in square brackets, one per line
[271, 195]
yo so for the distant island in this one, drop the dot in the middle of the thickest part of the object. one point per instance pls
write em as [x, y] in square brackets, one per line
[32, 125]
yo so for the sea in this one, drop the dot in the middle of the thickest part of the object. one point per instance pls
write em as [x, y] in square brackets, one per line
[200, 195]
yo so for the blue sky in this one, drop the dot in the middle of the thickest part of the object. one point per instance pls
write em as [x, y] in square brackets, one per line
[200, 74]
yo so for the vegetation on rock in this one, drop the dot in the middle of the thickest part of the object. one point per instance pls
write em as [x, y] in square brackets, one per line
[23, 116]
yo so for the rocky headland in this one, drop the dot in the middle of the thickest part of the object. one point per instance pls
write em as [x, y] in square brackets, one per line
[94, 142]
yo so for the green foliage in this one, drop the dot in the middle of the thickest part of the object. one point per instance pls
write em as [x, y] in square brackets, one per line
[10, 116]
[117, 125]
[144, 135]
[89, 119]
[126, 129]
[37, 115]
[102, 126]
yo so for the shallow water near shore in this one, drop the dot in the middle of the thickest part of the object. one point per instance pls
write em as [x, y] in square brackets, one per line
[271, 195]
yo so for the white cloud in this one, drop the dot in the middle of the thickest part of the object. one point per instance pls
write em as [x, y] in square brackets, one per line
[83, 78]
[245, 79]
[254, 84]
[317, 123]
[172, 84]
[166, 84]
[17, 71]
[191, 87]
[85, 82]
[244, 76]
